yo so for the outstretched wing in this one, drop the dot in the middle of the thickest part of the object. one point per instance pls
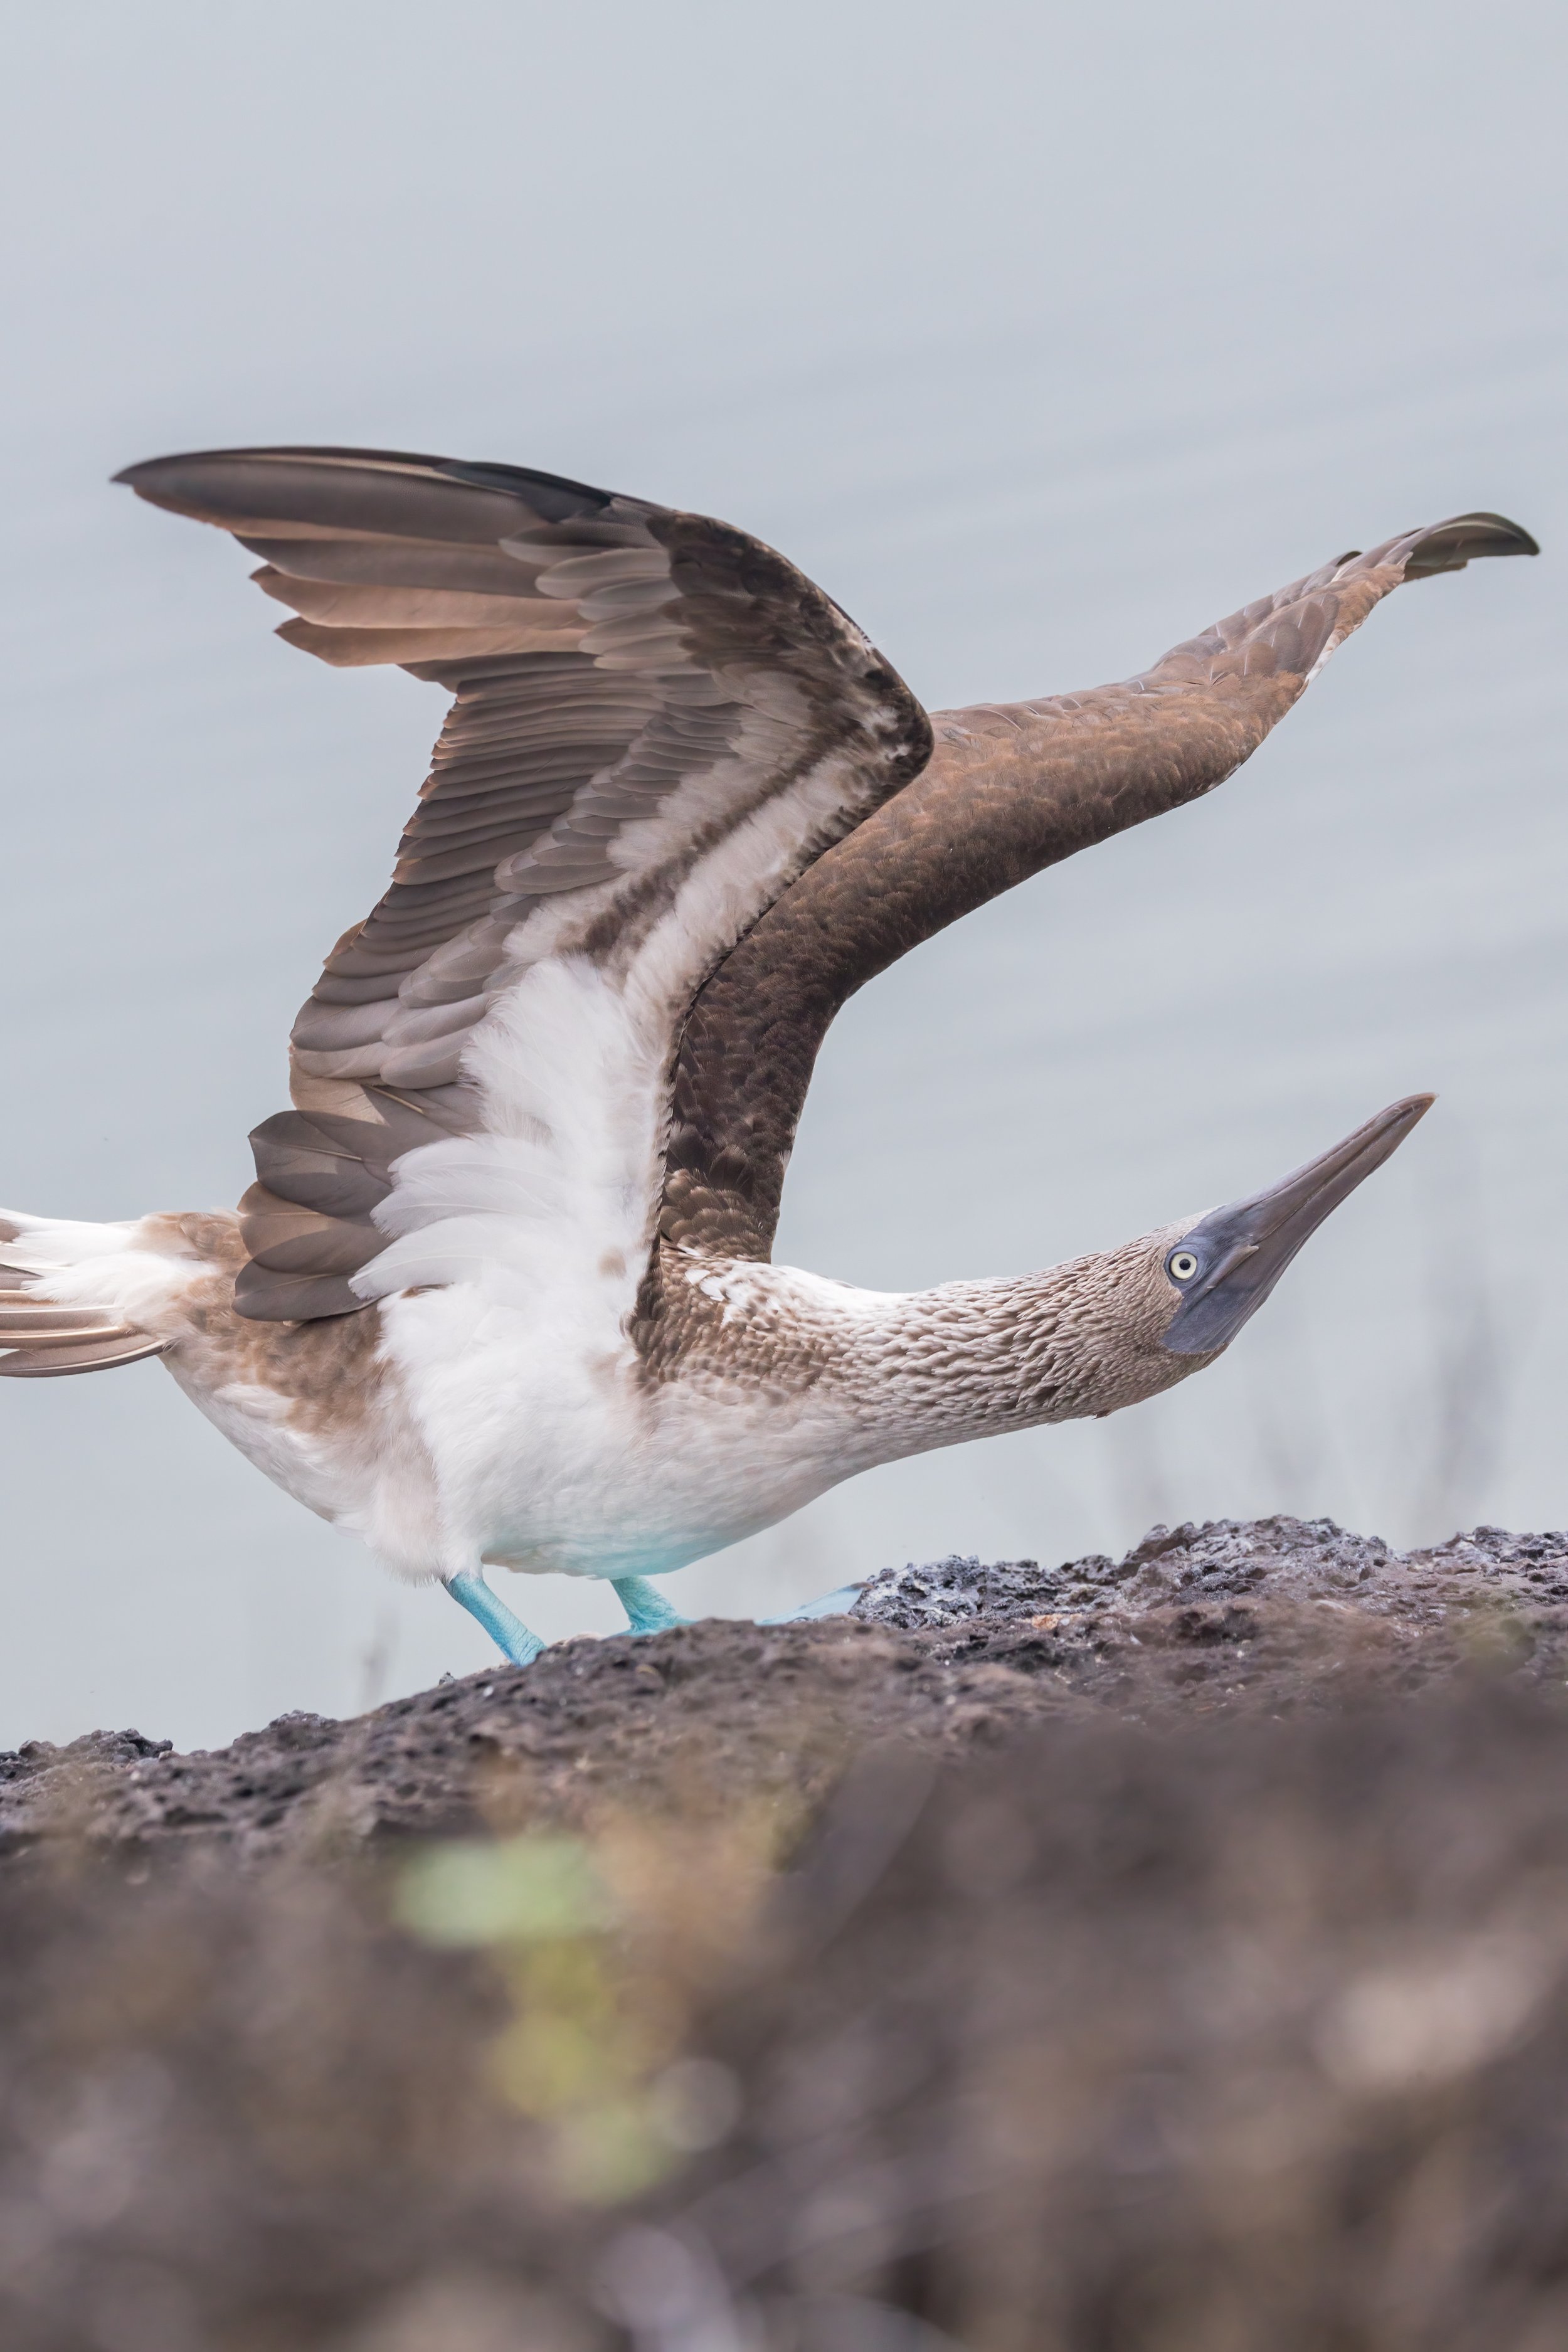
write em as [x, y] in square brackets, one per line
[658, 722]
[1009, 790]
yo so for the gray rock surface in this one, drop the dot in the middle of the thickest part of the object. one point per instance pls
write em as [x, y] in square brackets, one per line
[1228, 1559]
[1273, 1615]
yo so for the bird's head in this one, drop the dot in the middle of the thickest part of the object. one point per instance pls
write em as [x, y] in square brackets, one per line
[1172, 1301]
[1222, 1267]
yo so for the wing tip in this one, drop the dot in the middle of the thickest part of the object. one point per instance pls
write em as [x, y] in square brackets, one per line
[174, 481]
[1463, 539]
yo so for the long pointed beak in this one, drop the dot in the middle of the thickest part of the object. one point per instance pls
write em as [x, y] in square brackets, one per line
[1224, 1267]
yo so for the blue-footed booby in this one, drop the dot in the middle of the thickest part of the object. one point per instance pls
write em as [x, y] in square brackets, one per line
[503, 1292]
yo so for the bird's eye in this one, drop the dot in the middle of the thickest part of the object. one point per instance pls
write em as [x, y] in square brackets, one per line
[1180, 1266]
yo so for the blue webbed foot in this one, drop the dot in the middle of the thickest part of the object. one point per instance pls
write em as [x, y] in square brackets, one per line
[837, 1604]
[647, 1610]
[508, 1632]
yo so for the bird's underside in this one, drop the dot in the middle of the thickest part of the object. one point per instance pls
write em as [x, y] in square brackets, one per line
[680, 810]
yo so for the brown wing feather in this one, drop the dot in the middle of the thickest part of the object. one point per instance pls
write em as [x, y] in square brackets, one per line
[1009, 790]
[609, 661]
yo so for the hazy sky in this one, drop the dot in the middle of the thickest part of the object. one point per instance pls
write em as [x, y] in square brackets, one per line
[1040, 337]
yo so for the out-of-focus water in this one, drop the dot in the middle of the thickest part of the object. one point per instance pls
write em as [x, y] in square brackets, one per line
[1039, 349]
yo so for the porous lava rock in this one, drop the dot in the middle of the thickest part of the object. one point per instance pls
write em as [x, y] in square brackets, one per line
[1271, 1616]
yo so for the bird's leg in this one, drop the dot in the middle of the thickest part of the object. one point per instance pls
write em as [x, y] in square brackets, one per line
[468, 1588]
[647, 1610]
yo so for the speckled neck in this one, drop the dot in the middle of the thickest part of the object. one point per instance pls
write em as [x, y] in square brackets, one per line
[897, 1372]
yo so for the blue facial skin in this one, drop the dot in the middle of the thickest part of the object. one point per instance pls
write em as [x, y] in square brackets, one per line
[1224, 1267]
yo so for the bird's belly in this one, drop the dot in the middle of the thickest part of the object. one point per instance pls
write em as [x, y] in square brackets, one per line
[642, 1511]
[555, 1457]
[640, 1492]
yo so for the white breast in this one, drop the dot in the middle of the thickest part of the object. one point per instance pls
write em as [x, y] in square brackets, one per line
[553, 1452]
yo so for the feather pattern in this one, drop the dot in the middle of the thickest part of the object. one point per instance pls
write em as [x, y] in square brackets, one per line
[1009, 790]
[656, 722]
[43, 1338]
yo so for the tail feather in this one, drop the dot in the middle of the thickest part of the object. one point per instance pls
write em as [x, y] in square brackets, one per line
[45, 1339]
[94, 1356]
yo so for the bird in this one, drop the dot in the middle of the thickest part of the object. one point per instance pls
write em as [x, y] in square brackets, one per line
[503, 1294]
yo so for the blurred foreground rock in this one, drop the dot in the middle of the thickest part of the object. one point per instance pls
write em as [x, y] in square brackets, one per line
[1135, 1957]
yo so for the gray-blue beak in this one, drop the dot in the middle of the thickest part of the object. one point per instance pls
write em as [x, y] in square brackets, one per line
[1226, 1265]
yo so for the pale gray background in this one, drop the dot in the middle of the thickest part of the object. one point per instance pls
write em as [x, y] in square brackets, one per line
[1041, 336]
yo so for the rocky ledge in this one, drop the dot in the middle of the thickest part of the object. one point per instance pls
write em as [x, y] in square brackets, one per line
[1270, 1617]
